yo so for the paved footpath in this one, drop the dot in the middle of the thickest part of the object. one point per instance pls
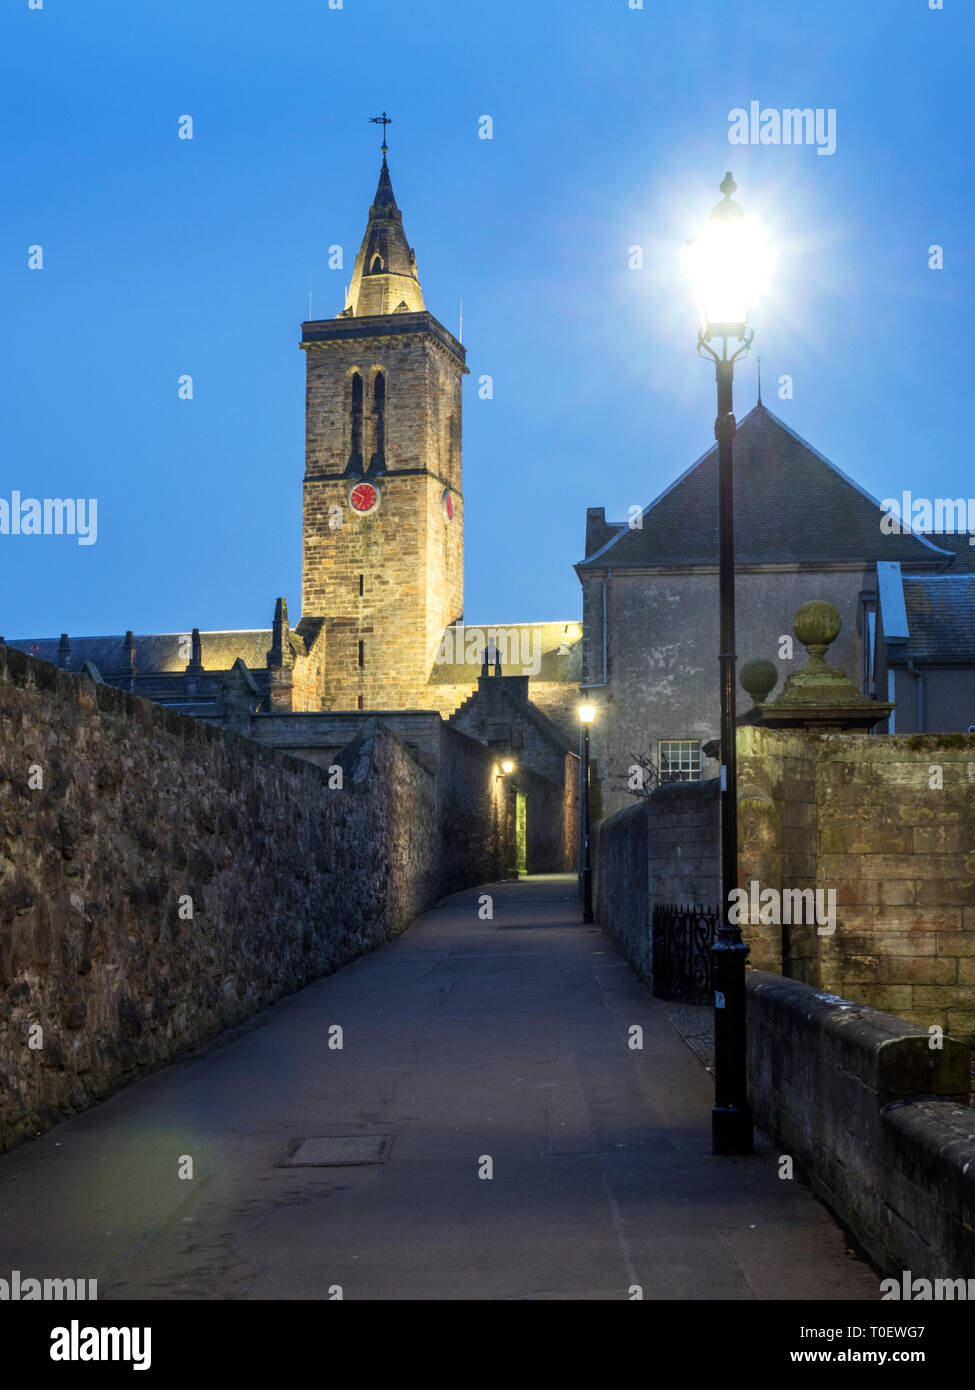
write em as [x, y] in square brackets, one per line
[463, 1039]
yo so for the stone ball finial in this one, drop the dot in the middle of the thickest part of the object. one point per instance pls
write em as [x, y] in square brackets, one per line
[758, 678]
[816, 624]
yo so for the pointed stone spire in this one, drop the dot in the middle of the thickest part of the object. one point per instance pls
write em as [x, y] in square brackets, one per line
[384, 203]
[385, 279]
[280, 653]
[281, 660]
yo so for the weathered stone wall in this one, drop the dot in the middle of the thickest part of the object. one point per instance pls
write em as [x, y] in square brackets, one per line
[471, 804]
[622, 890]
[319, 736]
[874, 1118]
[777, 834]
[872, 1115]
[889, 825]
[552, 828]
[500, 714]
[558, 700]
[137, 813]
[571, 790]
[664, 849]
[464, 767]
[684, 831]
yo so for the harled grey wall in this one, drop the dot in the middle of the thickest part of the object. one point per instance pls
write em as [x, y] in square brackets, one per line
[663, 654]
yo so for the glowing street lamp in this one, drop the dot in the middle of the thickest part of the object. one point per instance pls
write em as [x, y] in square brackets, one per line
[587, 713]
[507, 766]
[727, 264]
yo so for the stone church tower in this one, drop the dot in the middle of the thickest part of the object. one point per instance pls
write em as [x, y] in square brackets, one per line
[383, 519]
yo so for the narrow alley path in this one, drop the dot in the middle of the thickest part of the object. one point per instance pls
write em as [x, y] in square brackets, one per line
[464, 1040]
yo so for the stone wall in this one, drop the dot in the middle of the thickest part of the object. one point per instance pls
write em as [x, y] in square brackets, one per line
[119, 818]
[571, 791]
[472, 807]
[552, 820]
[445, 749]
[501, 714]
[872, 1111]
[621, 887]
[663, 849]
[684, 829]
[874, 1118]
[318, 736]
[889, 825]
[777, 833]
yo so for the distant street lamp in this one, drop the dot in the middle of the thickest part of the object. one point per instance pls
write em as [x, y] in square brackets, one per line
[726, 263]
[587, 713]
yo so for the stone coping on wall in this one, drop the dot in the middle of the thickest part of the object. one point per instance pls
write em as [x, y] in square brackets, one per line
[875, 1113]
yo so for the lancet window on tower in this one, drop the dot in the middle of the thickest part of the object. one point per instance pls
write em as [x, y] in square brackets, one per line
[355, 416]
[453, 442]
[378, 459]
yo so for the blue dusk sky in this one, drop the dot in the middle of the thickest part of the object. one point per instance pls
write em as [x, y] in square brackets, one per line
[164, 256]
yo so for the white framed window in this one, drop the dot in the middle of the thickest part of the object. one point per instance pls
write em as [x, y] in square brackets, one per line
[679, 759]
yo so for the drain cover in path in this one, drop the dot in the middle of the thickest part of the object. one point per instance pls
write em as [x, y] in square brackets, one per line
[340, 1151]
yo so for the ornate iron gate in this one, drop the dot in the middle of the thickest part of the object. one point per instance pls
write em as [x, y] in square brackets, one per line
[682, 941]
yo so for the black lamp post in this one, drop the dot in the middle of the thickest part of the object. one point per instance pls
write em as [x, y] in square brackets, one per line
[586, 715]
[725, 261]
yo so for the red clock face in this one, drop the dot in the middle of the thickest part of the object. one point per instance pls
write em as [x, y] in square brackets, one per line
[364, 498]
[448, 504]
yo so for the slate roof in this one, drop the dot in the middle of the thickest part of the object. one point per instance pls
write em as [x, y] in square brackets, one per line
[940, 617]
[156, 652]
[959, 543]
[561, 652]
[792, 506]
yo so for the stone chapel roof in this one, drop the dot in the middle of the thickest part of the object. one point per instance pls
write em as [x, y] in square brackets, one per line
[558, 644]
[155, 653]
[792, 506]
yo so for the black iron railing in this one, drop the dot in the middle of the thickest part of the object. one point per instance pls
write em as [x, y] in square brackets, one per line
[682, 941]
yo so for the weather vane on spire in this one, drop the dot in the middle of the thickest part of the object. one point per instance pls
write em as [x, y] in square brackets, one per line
[384, 121]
